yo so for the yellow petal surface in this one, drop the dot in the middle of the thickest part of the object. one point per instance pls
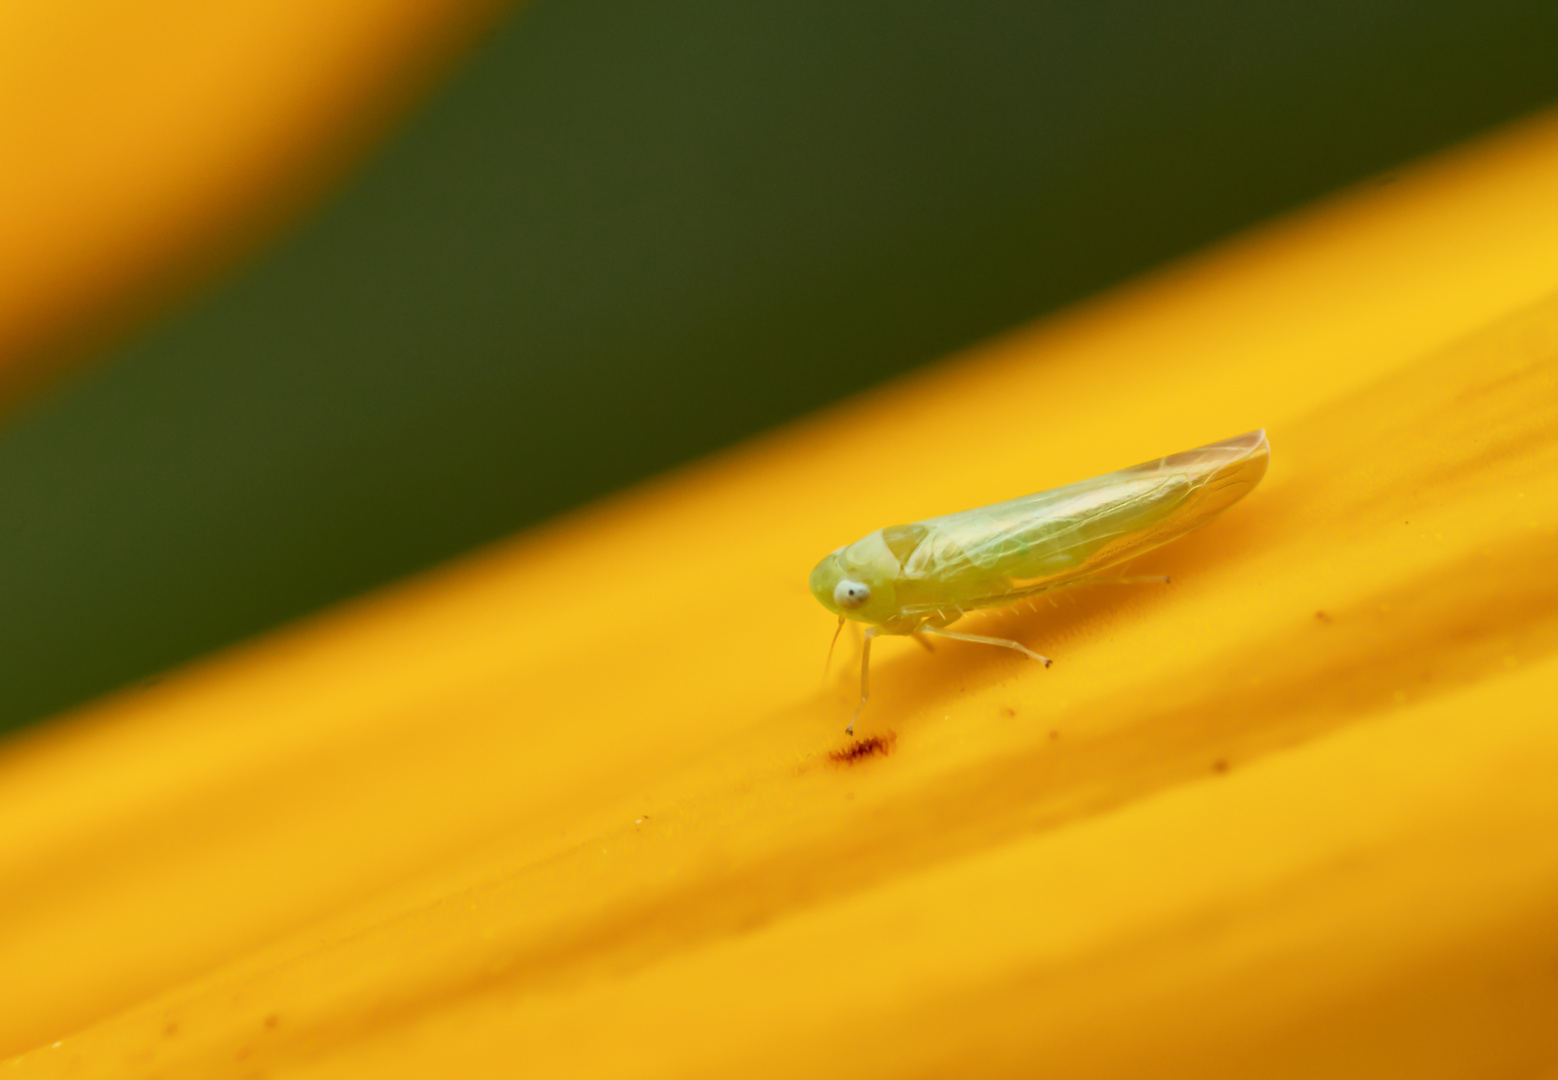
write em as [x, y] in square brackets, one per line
[144, 140]
[571, 807]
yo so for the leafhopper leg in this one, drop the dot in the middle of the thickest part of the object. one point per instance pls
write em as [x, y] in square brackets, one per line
[865, 677]
[827, 663]
[1005, 644]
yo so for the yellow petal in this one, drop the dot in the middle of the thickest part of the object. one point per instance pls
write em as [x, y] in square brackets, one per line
[158, 136]
[568, 808]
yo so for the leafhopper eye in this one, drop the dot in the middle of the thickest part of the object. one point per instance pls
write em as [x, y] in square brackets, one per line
[851, 594]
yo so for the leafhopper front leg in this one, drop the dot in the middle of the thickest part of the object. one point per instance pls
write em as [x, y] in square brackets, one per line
[1005, 644]
[865, 677]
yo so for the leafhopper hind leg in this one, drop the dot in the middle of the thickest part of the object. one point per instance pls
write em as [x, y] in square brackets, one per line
[1150, 579]
[865, 677]
[1005, 644]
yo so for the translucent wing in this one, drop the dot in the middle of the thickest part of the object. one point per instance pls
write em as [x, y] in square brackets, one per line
[998, 553]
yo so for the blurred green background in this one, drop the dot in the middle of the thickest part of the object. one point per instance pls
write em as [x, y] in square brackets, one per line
[624, 235]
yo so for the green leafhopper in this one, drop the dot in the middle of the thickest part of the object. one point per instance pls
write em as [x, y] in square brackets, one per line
[918, 579]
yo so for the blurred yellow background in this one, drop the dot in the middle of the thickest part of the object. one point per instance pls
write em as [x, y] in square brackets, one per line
[148, 143]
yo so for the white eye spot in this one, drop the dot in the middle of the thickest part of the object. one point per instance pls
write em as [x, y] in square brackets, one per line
[851, 594]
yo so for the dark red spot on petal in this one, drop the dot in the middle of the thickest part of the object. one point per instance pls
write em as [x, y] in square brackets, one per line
[860, 749]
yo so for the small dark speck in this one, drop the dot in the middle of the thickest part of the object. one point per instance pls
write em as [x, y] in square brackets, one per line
[170, 1029]
[860, 749]
[1219, 766]
[1054, 735]
[1323, 617]
[1008, 711]
[271, 1021]
[244, 1052]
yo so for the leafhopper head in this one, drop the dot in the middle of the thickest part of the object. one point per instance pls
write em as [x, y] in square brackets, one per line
[856, 581]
